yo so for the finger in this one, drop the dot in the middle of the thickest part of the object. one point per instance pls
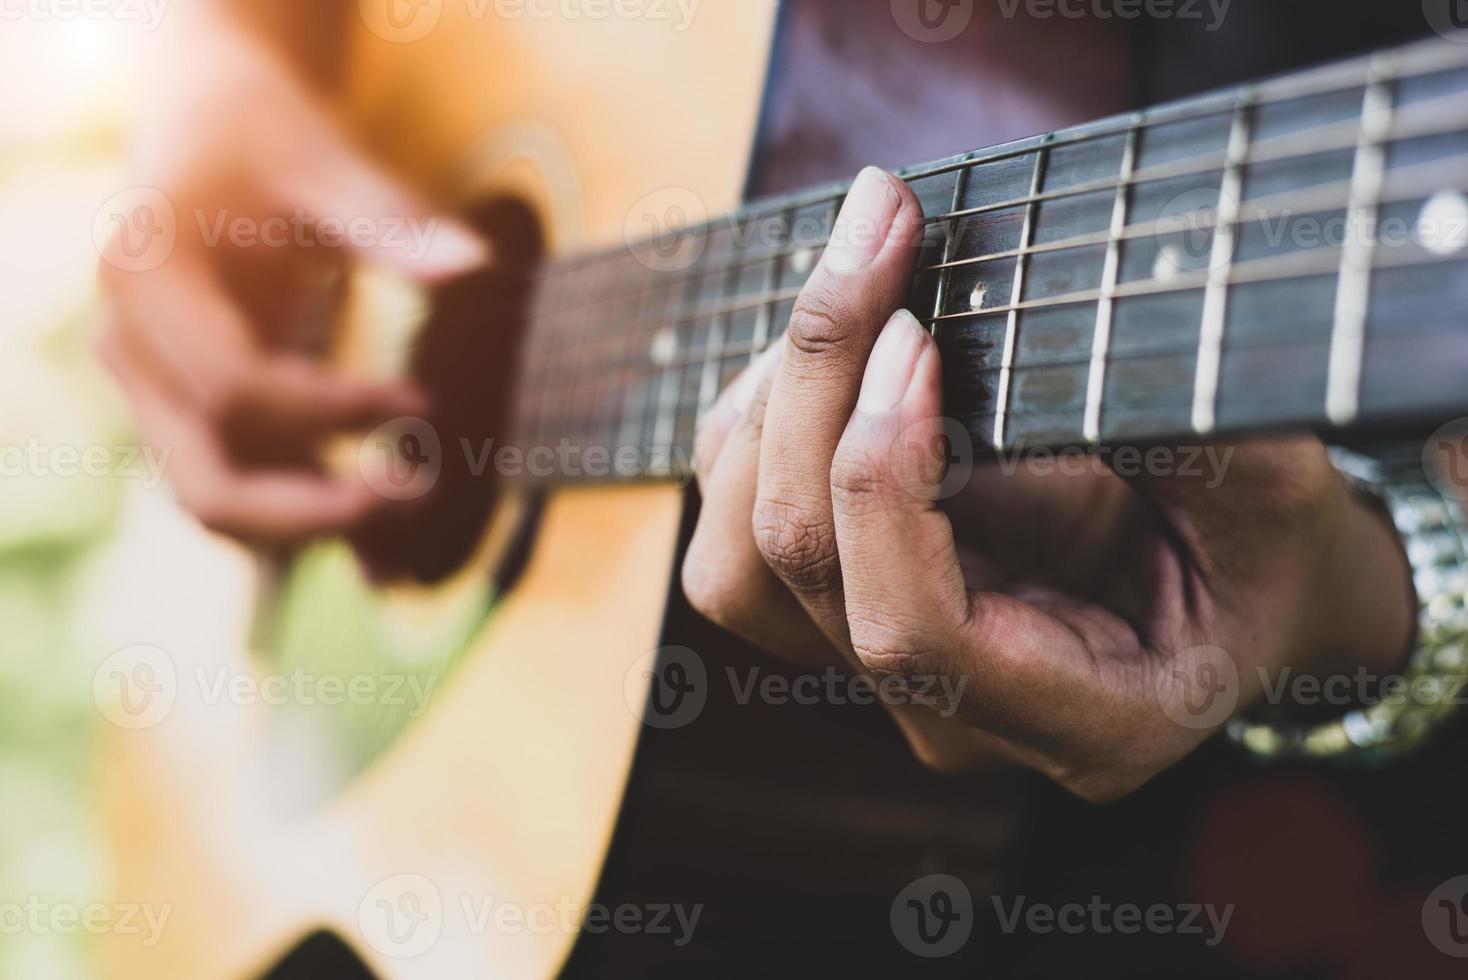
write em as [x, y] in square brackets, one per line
[276, 507]
[180, 324]
[1002, 664]
[724, 575]
[289, 402]
[182, 327]
[730, 408]
[864, 275]
[380, 218]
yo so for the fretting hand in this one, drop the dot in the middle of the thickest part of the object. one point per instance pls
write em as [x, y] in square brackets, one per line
[1071, 611]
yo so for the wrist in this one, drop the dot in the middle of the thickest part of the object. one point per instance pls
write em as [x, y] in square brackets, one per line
[1366, 584]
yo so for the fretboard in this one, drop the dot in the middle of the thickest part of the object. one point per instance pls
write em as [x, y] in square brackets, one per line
[1288, 254]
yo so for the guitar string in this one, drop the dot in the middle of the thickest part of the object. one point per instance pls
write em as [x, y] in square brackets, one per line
[1408, 183]
[1281, 147]
[1432, 57]
[1401, 133]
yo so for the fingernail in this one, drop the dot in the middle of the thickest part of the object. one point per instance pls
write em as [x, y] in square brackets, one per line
[453, 250]
[864, 222]
[889, 370]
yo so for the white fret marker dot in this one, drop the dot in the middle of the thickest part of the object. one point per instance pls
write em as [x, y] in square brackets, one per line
[1169, 263]
[664, 346]
[1442, 224]
[977, 297]
[803, 261]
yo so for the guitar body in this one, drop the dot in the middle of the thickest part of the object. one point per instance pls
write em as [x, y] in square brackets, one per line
[511, 784]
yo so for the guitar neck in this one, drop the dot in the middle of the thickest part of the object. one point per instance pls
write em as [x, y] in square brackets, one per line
[1288, 254]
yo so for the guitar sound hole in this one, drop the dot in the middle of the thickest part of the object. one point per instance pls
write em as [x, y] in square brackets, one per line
[465, 361]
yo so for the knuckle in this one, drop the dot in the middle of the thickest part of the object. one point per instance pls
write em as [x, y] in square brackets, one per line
[819, 322]
[800, 549]
[857, 473]
[712, 591]
[892, 651]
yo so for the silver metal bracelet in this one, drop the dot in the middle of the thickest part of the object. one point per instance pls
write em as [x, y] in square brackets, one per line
[1434, 681]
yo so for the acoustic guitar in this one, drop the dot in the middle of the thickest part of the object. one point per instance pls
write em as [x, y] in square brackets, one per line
[509, 731]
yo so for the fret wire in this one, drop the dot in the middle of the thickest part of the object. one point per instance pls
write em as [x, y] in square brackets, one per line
[713, 352]
[1430, 175]
[950, 246]
[625, 424]
[1365, 193]
[1399, 130]
[1101, 342]
[672, 381]
[1180, 352]
[1220, 260]
[652, 401]
[1347, 342]
[1269, 268]
[766, 315]
[565, 412]
[1429, 124]
[555, 415]
[1442, 173]
[1011, 326]
[1428, 56]
[1301, 264]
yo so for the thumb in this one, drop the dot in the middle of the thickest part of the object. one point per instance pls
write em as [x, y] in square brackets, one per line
[1001, 663]
[380, 219]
